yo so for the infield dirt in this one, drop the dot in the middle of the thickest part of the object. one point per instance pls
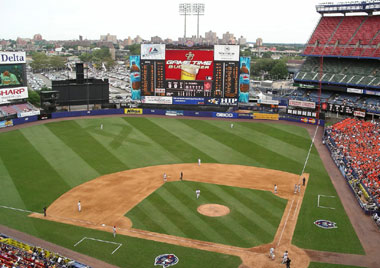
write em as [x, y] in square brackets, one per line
[105, 201]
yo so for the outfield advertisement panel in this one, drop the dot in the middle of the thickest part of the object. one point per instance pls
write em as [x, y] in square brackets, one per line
[224, 115]
[244, 82]
[266, 116]
[303, 104]
[226, 52]
[135, 77]
[156, 100]
[189, 101]
[133, 111]
[153, 51]
[7, 94]
[12, 57]
[6, 123]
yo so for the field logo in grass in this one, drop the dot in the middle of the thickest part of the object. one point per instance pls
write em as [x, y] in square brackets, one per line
[325, 224]
[166, 260]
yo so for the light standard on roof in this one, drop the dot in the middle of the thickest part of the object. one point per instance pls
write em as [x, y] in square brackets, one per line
[184, 9]
[198, 10]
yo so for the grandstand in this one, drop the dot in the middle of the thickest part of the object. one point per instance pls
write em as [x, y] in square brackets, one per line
[343, 55]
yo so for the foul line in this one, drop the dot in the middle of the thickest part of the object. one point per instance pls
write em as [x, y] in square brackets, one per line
[99, 240]
[283, 228]
[18, 209]
[308, 154]
[295, 212]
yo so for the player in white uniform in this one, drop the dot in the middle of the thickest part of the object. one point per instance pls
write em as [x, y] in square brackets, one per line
[101, 126]
[232, 125]
[275, 188]
[114, 230]
[299, 187]
[271, 253]
[199, 161]
[79, 206]
[198, 193]
[295, 188]
[165, 177]
[285, 257]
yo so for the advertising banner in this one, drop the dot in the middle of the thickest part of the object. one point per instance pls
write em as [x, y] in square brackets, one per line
[7, 94]
[133, 111]
[135, 77]
[221, 101]
[359, 113]
[226, 52]
[245, 69]
[188, 101]
[303, 104]
[189, 64]
[6, 123]
[355, 90]
[269, 102]
[156, 100]
[12, 57]
[174, 113]
[29, 113]
[245, 116]
[266, 116]
[224, 115]
[153, 51]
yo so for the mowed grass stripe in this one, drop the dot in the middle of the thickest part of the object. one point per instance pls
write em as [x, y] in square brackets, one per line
[195, 223]
[83, 144]
[265, 157]
[161, 223]
[267, 200]
[269, 212]
[250, 212]
[170, 142]
[241, 235]
[9, 194]
[73, 169]
[157, 206]
[204, 143]
[188, 195]
[40, 185]
[291, 130]
[134, 146]
[279, 146]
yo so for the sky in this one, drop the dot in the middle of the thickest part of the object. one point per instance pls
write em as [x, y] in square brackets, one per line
[275, 21]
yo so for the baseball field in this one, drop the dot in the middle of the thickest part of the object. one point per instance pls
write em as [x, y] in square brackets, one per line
[116, 173]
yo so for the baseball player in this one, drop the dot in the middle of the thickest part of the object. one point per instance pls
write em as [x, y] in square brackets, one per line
[303, 181]
[275, 188]
[79, 206]
[271, 253]
[165, 177]
[101, 126]
[295, 188]
[285, 257]
[181, 178]
[232, 125]
[299, 187]
[198, 193]
[114, 230]
[199, 161]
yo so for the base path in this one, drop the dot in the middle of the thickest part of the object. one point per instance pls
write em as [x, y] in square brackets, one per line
[105, 201]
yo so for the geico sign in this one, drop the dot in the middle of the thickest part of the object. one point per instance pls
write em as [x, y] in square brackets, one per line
[229, 115]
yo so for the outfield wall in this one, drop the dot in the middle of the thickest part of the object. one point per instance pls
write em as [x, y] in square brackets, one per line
[139, 111]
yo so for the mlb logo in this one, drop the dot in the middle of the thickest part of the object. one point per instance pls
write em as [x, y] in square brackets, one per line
[166, 260]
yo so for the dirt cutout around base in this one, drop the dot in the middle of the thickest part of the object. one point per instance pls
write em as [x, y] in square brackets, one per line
[105, 201]
[213, 210]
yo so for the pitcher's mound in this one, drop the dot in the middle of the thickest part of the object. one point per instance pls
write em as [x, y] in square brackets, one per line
[213, 210]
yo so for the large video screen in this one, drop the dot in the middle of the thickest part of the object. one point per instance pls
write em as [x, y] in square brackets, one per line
[12, 75]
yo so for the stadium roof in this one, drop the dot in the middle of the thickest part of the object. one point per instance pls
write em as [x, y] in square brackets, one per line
[349, 7]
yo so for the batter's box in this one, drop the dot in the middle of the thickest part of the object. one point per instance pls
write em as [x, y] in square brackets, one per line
[324, 196]
[103, 241]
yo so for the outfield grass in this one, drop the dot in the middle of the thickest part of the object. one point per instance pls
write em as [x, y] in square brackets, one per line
[172, 209]
[40, 163]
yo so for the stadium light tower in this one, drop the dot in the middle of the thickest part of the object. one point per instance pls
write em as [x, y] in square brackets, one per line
[185, 9]
[198, 10]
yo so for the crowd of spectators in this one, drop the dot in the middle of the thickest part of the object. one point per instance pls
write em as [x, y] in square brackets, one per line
[355, 147]
[12, 256]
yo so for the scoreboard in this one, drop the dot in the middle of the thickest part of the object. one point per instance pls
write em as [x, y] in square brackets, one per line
[191, 75]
